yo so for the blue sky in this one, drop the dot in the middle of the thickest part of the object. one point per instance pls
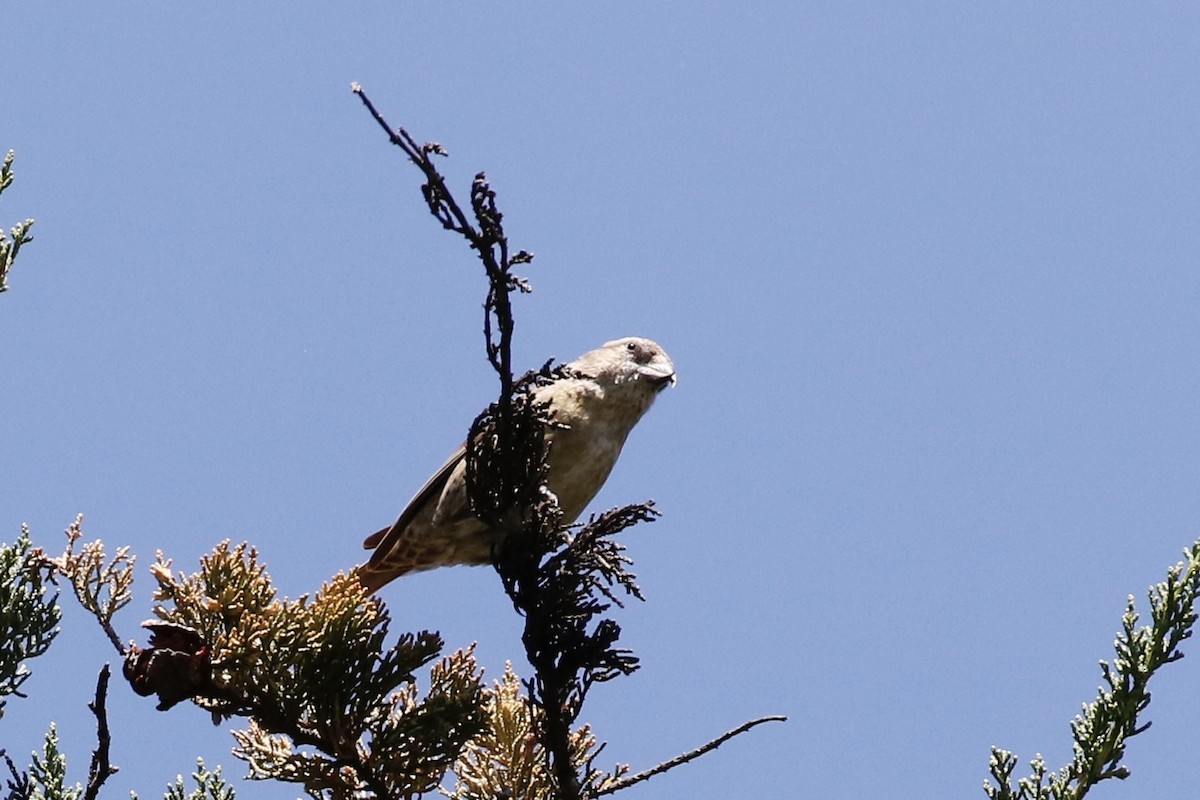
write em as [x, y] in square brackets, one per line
[928, 273]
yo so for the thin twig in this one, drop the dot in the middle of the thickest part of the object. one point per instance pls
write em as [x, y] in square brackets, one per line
[488, 241]
[686, 757]
[486, 237]
[112, 637]
[418, 155]
[101, 768]
[559, 604]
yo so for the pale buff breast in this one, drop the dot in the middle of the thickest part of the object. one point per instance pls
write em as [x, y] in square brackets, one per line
[597, 421]
[580, 462]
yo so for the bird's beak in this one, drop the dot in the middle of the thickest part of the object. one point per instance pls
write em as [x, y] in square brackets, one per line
[661, 382]
[659, 374]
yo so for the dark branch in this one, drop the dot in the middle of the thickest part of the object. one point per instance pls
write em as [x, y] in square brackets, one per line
[506, 476]
[686, 757]
[561, 579]
[111, 632]
[485, 236]
[20, 785]
[101, 768]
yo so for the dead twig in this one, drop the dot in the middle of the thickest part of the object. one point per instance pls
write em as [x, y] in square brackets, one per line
[691, 755]
[101, 768]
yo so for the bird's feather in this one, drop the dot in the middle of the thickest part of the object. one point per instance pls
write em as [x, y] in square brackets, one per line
[593, 405]
[383, 539]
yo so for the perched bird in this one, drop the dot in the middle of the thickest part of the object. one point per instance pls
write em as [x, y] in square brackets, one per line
[592, 411]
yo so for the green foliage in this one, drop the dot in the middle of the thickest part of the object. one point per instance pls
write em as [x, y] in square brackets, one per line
[1102, 730]
[48, 775]
[209, 786]
[28, 618]
[19, 232]
[329, 707]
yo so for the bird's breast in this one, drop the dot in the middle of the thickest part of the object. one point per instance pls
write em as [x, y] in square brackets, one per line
[580, 461]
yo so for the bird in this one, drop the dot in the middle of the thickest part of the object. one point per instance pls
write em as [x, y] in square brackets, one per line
[593, 406]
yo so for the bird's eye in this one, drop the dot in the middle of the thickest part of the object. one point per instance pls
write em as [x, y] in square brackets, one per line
[631, 347]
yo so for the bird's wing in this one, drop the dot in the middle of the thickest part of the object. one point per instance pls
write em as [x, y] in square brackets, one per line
[383, 539]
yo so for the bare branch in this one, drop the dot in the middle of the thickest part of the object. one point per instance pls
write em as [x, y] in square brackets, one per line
[686, 757]
[486, 237]
[102, 585]
[101, 768]
[560, 578]
[436, 193]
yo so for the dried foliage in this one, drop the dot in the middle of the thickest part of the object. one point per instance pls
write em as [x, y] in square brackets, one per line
[18, 235]
[28, 617]
[332, 707]
[102, 585]
[507, 759]
[1104, 727]
[484, 234]
[561, 579]
[28, 621]
[506, 461]
[558, 579]
[329, 707]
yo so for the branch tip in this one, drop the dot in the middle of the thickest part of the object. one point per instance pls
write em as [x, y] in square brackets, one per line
[691, 755]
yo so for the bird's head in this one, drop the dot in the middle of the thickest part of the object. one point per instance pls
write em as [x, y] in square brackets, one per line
[631, 360]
